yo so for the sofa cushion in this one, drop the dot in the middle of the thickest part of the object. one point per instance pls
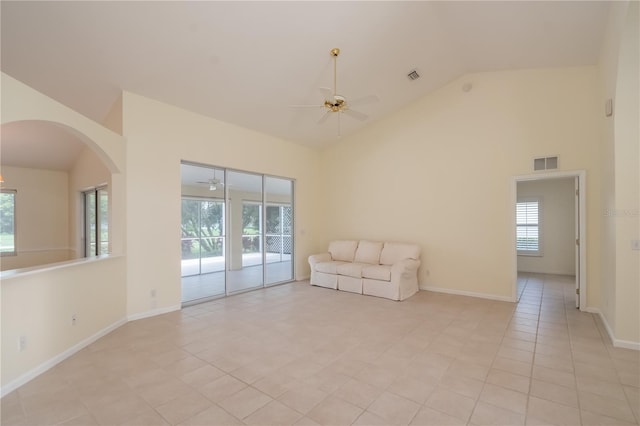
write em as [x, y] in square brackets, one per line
[394, 252]
[351, 269]
[329, 267]
[353, 285]
[377, 272]
[343, 250]
[369, 252]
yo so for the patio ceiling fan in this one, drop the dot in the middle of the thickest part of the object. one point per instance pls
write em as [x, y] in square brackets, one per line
[336, 104]
[214, 183]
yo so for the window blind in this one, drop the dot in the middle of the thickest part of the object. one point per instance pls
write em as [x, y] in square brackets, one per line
[528, 226]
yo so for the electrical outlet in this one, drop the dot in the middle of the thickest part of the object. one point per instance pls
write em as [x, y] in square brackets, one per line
[73, 319]
[153, 293]
[22, 343]
[635, 244]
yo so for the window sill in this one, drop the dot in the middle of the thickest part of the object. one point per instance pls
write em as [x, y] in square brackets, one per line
[524, 254]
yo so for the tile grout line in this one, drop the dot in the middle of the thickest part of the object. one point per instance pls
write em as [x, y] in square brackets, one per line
[535, 346]
[575, 376]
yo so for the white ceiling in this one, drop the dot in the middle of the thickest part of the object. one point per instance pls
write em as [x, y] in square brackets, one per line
[247, 62]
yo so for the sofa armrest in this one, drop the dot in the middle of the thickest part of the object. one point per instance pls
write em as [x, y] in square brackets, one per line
[317, 258]
[407, 267]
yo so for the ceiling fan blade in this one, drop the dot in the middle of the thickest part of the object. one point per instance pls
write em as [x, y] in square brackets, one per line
[326, 93]
[306, 106]
[324, 117]
[355, 114]
[371, 99]
[339, 124]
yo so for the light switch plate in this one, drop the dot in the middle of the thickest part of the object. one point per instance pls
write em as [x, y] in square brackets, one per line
[635, 244]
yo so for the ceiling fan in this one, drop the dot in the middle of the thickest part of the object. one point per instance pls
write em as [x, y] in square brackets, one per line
[335, 103]
[214, 183]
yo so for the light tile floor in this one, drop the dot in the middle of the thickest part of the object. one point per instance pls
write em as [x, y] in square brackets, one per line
[296, 354]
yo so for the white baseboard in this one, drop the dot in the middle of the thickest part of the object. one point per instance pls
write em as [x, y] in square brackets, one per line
[154, 312]
[618, 343]
[32, 374]
[468, 293]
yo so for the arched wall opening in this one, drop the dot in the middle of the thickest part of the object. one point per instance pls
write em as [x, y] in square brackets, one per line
[47, 168]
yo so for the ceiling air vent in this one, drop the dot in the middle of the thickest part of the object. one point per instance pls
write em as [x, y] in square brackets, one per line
[545, 163]
[413, 75]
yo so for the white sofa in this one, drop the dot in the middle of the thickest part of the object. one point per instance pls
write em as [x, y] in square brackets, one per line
[383, 269]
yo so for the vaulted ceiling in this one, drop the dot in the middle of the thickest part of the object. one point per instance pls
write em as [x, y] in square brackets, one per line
[247, 62]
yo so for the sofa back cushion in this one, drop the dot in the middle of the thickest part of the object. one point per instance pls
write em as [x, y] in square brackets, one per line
[343, 250]
[394, 252]
[369, 252]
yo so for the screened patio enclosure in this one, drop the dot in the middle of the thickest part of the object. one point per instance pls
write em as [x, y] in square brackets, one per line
[237, 231]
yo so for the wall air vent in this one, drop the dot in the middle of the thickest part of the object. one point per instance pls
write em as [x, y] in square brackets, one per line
[545, 163]
[413, 75]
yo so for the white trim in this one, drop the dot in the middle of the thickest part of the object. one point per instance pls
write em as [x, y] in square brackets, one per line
[582, 208]
[468, 293]
[618, 343]
[154, 312]
[33, 373]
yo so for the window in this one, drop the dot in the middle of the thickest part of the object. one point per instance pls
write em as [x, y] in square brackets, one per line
[251, 227]
[279, 221]
[528, 227]
[96, 222]
[8, 222]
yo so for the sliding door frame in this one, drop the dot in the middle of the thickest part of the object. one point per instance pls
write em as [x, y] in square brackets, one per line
[263, 205]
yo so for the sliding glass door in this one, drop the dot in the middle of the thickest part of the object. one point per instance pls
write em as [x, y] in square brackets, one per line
[244, 203]
[237, 231]
[279, 230]
[202, 247]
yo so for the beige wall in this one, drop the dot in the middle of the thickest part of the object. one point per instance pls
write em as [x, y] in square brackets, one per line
[39, 305]
[627, 180]
[159, 136]
[414, 175]
[558, 226]
[618, 73]
[42, 210]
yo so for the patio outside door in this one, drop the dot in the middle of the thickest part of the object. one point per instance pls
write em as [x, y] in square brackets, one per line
[237, 231]
[244, 204]
[202, 245]
[279, 230]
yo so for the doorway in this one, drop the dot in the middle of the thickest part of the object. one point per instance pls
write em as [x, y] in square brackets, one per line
[550, 229]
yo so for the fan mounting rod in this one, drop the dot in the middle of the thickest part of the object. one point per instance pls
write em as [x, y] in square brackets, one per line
[334, 54]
